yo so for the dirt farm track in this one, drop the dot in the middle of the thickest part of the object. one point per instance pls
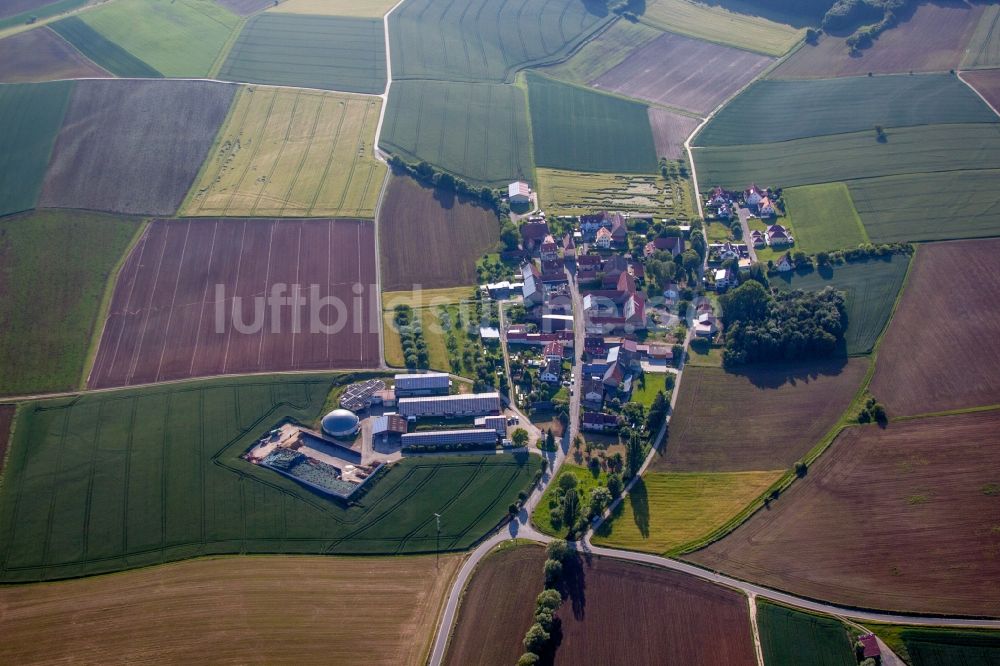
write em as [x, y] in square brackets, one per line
[163, 322]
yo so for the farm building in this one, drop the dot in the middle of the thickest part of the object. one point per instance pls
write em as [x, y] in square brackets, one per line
[599, 422]
[519, 192]
[672, 244]
[483, 436]
[428, 383]
[341, 423]
[388, 426]
[496, 423]
[468, 404]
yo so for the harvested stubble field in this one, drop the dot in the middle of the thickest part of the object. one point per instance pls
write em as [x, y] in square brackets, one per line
[906, 207]
[134, 146]
[770, 111]
[181, 38]
[42, 55]
[361, 8]
[235, 610]
[925, 492]
[949, 321]
[824, 217]
[782, 411]
[987, 82]
[125, 479]
[6, 421]
[431, 238]
[487, 40]
[326, 52]
[102, 51]
[653, 615]
[716, 23]
[682, 72]
[603, 51]
[55, 267]
[31, 116]
[670, 131]
[291, 153]
[870, 289]
[575, 128]
[983, 49]
[575, 193]
[790, 637]
[664, 511]
[164, 320]
[497, 607]
[906, 150]
[477, 131]
[933, 39]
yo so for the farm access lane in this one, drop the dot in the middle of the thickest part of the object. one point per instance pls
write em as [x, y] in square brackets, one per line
[744, 214]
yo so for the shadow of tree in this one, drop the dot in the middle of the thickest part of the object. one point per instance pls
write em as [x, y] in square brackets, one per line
[776, 375]
[639, 497]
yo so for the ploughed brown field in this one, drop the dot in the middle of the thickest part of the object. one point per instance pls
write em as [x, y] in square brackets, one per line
[902, 519]
[759, 418]
[166, 320]
[42, 55]
[670, 131]
[431, 238]
[987, 82]
[932, 39]
[683, 72]
[15, 7]
[236, 610]
[6, 421]
[942, 349]
[134, 147]
[497, 608]
[623, 612]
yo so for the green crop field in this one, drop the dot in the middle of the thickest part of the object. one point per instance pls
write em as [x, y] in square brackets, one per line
[607, 49]
[31, 116]
[770, 111]
[824, 218]
[50, 307]
[983, 49]
[583, 130]
[942, 647]
[487, 40]
[907, 150]
[102, 51]
[790, 637]
[666, 510]
[477, 131]
[41, 13]
[123, 479]
[871, 287]
[180, 38]
[718, 24]
[326, 52]
[929, 206]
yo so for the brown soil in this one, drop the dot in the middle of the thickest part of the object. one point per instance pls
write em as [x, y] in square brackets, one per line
[942, 349]
[670, 131]
[683, 72]
[497, 608]
[760, 418]
[431, 238]
[162, 323]
[987, 82]
[902, 519]
[42, 55]
[933, 39]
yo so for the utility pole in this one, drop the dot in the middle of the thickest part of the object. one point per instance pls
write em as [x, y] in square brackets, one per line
[437, 549]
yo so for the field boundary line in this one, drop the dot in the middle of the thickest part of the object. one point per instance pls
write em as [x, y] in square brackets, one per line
[959, 73]
[945, 413]
[754, 629]
[227, 46]
[148, 307]
[204, 299]
[97, 336]
[173, 300]
[388, 81]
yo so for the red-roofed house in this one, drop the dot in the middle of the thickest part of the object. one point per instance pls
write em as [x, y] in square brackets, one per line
[548, 250]
[519, 192]
[553, 351]
[603, 239]
[672, 244]
[765, 208]
[569, 247]
[619, 232]
[533, 234]
[778, 235]
[870, 648]
[598, 422]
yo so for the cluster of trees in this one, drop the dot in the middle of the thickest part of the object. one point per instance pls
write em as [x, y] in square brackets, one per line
[411, 334]
[788, 326]
[538, 638]
[568, 510]
[862, 252]
[873, 411]
[873, 16]
[429, 175]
